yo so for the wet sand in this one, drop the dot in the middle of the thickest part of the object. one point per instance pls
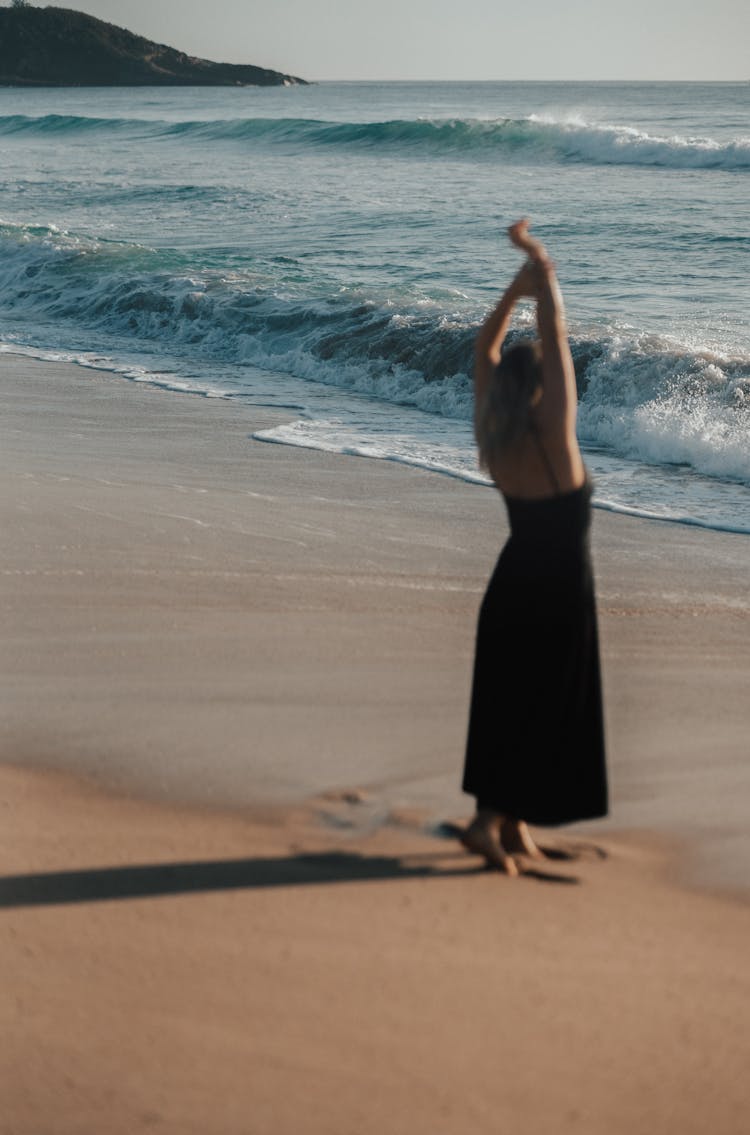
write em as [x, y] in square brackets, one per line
[214, 638]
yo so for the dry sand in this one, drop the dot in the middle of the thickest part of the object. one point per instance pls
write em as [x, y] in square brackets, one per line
[336, 987]
[193, 620]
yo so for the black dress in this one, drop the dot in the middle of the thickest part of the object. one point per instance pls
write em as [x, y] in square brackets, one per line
[536, 738]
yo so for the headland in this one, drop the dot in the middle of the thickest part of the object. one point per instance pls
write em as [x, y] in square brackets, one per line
[60, 47]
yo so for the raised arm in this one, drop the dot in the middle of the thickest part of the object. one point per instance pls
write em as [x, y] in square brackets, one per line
[489, 341]
[557, 411]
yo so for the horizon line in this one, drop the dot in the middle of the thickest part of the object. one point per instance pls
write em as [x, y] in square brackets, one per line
[724, 82]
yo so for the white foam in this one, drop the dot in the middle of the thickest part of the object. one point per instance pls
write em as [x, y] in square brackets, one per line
[609, 144]
[653, 400]
[454, 459]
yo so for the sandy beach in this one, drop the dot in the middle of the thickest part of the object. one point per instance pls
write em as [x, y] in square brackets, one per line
[235, 683]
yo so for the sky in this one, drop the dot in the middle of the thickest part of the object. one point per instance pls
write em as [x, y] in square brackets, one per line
[452, 39]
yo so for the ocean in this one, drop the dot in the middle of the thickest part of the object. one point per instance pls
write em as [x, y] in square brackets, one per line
[330, 250]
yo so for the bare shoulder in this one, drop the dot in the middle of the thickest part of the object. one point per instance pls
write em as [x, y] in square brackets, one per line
[559, 447]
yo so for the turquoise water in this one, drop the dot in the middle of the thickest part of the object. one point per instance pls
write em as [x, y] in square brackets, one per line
[331, 250]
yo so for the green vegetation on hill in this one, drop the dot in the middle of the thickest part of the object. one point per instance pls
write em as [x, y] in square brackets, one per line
[59, 47]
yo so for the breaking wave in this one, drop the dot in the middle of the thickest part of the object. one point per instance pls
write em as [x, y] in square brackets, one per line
[642, 396]
[568, 141]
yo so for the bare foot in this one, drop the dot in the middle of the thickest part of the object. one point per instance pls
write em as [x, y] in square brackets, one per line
[480, 839]
[515, 839]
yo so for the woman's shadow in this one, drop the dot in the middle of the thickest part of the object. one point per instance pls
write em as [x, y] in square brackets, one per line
[100, 884]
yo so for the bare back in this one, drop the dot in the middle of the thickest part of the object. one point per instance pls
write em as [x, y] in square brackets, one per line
[539, 465]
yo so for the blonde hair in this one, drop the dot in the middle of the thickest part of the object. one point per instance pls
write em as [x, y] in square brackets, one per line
[503, 416]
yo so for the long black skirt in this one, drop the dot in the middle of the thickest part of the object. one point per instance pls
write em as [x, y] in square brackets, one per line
[535, 748]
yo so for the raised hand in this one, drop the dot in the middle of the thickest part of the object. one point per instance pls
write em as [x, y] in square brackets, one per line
[534, 249]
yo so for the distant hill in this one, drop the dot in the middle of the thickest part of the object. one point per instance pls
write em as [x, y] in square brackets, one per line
[59, 47]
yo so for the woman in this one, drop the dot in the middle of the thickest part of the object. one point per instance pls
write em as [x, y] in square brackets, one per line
[535, 749]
